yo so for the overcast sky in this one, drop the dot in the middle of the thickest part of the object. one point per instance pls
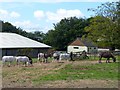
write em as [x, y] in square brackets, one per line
[39, 15]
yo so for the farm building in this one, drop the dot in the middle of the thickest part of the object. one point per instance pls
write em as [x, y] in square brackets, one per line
[102, 49]
[80, 45]
[14, 44]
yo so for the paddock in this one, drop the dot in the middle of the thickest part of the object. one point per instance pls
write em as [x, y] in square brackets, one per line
[64, 74]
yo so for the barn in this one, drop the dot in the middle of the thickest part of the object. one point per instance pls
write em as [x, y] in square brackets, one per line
[80, 45]
[15, 44]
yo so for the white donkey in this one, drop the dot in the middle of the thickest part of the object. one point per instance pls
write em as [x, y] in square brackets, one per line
[9, 59]
[25, 59]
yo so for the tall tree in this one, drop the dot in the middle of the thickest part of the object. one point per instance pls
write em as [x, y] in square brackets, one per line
[39, 35]
[104, 26]
[118, 25]
[65, 32]
[101, 31]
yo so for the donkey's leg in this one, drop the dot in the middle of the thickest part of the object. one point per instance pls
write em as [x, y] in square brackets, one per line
[38, 59]
[53, 59]
[107, 61]
[43, 60]
[100, 60]
[46, 60]
[17, 62]
[9, 64]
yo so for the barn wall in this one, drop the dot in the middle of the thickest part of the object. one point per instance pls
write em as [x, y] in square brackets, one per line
[92, 50]
[76, 49]
[32, 52]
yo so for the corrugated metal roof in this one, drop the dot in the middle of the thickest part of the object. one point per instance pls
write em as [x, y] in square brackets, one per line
[12, 40]
[80, 42]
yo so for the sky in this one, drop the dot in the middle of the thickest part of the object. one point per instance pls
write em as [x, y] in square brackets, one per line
[39, 15]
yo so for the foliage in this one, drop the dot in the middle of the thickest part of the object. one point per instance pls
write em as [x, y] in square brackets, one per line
[8, 27]
[118, 24]
[65, 32]
[101, 31]
[108, 9]
[104, 28]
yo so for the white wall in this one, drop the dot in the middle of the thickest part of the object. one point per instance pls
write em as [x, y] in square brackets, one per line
[102, 49]
[82, 48]
[76, 49]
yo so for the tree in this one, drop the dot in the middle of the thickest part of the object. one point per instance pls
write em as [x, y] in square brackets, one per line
[101, 31]
[65, 32]
[118, 25]
[8, 27]
[38, 36]
[104, 26]
[107, 9]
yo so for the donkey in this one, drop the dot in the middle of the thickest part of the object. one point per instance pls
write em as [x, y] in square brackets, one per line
[107, 55]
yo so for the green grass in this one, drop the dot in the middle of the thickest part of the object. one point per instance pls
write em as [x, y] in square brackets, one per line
[35, 60]
[93, 71]
[71, 71]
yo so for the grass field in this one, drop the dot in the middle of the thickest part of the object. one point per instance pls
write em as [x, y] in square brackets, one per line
[65, 74]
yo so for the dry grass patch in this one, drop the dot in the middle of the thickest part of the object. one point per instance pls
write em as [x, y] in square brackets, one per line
[78, 74]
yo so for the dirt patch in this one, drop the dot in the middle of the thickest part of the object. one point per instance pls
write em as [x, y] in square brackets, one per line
[19, 76]
[81, 84]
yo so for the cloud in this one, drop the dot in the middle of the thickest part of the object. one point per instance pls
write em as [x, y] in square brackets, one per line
[22, 24]
[52, 17]
[63, 13]
[4, 14]
[39, 14]
[14, 14]
[57, 1]
[27, 25]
